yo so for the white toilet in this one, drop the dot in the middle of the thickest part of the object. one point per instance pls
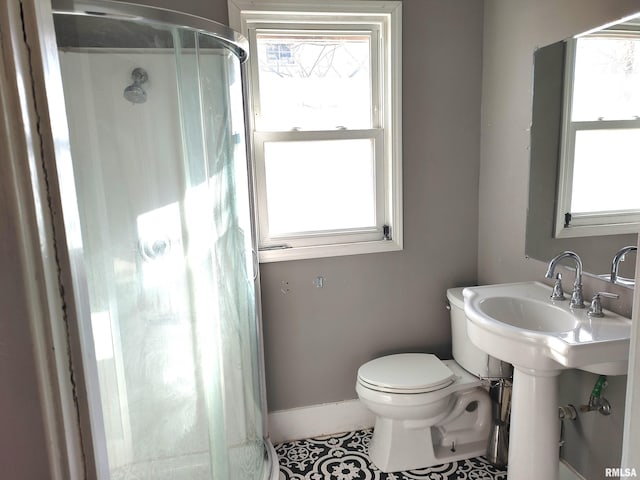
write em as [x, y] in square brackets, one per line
[429, 411]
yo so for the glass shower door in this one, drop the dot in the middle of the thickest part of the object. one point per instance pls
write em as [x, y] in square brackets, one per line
[157, 141]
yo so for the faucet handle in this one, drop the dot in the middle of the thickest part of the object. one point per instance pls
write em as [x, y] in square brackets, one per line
[595, 310]
[558, 292]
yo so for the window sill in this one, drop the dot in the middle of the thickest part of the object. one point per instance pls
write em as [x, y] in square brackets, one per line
[577, 231]
[323, 251]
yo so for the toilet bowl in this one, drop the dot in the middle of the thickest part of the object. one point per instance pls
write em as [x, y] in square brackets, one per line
[429, 411]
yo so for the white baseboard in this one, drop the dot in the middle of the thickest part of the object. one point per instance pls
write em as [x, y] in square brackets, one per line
[318, 420]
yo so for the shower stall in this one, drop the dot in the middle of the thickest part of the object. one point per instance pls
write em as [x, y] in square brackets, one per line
[156, 215]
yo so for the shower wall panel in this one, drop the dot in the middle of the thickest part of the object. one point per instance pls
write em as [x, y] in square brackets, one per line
[162, 193]
[129, 180]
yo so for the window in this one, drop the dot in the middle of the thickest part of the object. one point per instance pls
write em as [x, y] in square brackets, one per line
[325, 133]
[601, 131]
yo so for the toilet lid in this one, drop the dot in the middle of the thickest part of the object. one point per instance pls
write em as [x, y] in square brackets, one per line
[406, 373]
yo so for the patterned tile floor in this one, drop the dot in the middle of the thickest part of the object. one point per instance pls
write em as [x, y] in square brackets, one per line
[344, 457]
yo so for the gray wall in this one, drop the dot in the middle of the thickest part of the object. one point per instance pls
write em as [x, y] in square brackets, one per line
[512, 30]
[212, 9]
[383, 303]
[374, 304]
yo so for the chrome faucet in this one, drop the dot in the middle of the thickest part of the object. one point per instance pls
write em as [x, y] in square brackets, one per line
[617, 258]
[577, 300]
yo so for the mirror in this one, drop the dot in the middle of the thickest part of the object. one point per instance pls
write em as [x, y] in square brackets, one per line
[598, 251]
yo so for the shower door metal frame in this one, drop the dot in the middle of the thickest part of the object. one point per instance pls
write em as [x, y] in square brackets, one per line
[155, 16]
[64, 378]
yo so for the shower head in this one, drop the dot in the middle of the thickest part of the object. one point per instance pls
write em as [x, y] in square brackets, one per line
[134, 92]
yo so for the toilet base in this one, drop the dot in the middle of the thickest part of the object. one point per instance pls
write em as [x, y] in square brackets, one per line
[401, 445]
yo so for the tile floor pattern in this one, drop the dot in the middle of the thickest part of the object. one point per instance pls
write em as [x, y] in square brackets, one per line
[344, 457]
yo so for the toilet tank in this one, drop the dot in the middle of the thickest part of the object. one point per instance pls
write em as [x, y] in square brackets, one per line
[468, 356]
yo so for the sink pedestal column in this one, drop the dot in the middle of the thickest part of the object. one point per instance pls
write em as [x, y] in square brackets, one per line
[535, 428]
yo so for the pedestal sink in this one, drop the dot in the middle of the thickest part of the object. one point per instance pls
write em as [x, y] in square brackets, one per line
[518, 323]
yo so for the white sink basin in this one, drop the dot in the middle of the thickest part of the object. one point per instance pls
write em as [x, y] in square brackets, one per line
[518, 323]
[528, 314]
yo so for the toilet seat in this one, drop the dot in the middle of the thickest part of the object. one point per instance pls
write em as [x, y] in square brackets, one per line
[406, 373]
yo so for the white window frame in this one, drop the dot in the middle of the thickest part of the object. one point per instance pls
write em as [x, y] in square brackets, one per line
[383, 20]
[584, 224]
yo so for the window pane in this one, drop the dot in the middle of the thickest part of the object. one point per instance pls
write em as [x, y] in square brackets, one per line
[607, 74]
[315, 186]
[606, 170]
[314, 82]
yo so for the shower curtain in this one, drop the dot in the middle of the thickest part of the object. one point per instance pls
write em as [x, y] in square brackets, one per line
[171, 345]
